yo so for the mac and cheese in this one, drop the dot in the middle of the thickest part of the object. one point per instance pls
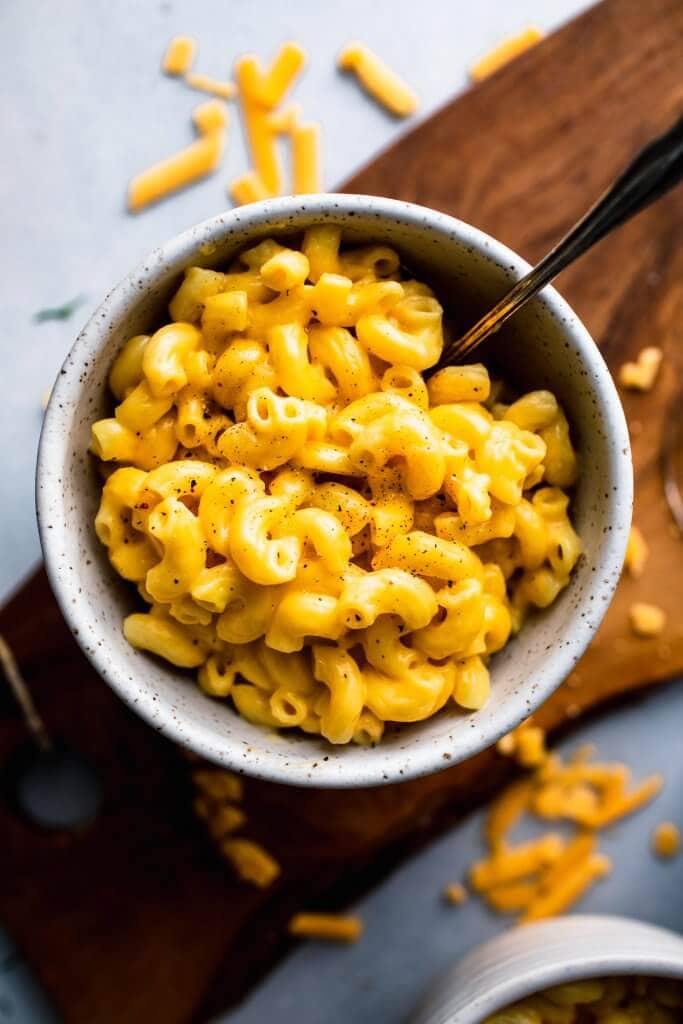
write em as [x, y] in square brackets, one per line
[626, 999]
[334, 542]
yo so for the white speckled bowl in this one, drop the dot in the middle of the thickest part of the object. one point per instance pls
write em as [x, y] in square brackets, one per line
[545, 346]
[535, 957]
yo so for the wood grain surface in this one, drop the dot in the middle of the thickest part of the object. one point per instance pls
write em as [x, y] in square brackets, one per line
[136, 918]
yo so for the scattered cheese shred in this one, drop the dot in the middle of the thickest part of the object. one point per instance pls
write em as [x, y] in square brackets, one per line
[505, 52]
[506, 811]
[179, 56]
[568, 889]
[380, 81]
[623, 804]
[283, 72]
[333, 927]
[210, 116]
[283, 121]
[512, 896]
[578, 849]
[260, 136]
[455, 893]
[526, 744]
[636, 552]
[577, 802]
[641, 374]
[646, 620]
[223, 90]
[666, 839]
[507, 744]
[248, 188]
[306, 159]
[251, 861]
[249, 75]
[187, 166]
[531, 746]
[175, 172]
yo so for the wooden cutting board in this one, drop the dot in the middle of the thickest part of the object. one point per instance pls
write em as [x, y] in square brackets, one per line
[136, 918]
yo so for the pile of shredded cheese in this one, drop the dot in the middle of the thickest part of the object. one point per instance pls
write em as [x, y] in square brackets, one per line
[546, 876]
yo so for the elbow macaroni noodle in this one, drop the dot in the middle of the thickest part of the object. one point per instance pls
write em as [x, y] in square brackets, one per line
[332, 541]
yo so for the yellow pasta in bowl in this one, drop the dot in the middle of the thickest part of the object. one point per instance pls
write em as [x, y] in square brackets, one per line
[373, 567]
[378, 586]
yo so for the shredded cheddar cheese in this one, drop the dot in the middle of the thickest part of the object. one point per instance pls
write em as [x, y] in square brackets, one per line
[526, 744]
[666, 839]
[260, 136]
[283, 72]
[203, 83]
[636, 553]
[455, 893]
[504, 53]
[210, 116]
[260, 90]
[531, 746]
[641, 374]
[646, 620]
[179, 55]
[511, 896]
[507, 744]
[183, 168]
[568, 889]
[506, 811]
[332, 927]
[249, 188]
[282, 122]
[378, 79]
[582, 846]
[306, 161]
[623, 804]
[251, 862]
[576, 801]
[515, 862]
[549, 874]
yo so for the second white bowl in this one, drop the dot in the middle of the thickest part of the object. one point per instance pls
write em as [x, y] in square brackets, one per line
[527, 960]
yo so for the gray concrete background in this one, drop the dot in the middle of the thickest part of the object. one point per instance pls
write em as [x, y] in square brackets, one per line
[84, 107]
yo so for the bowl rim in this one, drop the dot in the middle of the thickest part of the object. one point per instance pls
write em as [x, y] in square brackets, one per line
[52, 455]
[549, 938]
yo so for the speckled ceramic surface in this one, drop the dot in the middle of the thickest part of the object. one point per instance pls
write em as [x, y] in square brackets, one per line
[545, 345]
[529, 959]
